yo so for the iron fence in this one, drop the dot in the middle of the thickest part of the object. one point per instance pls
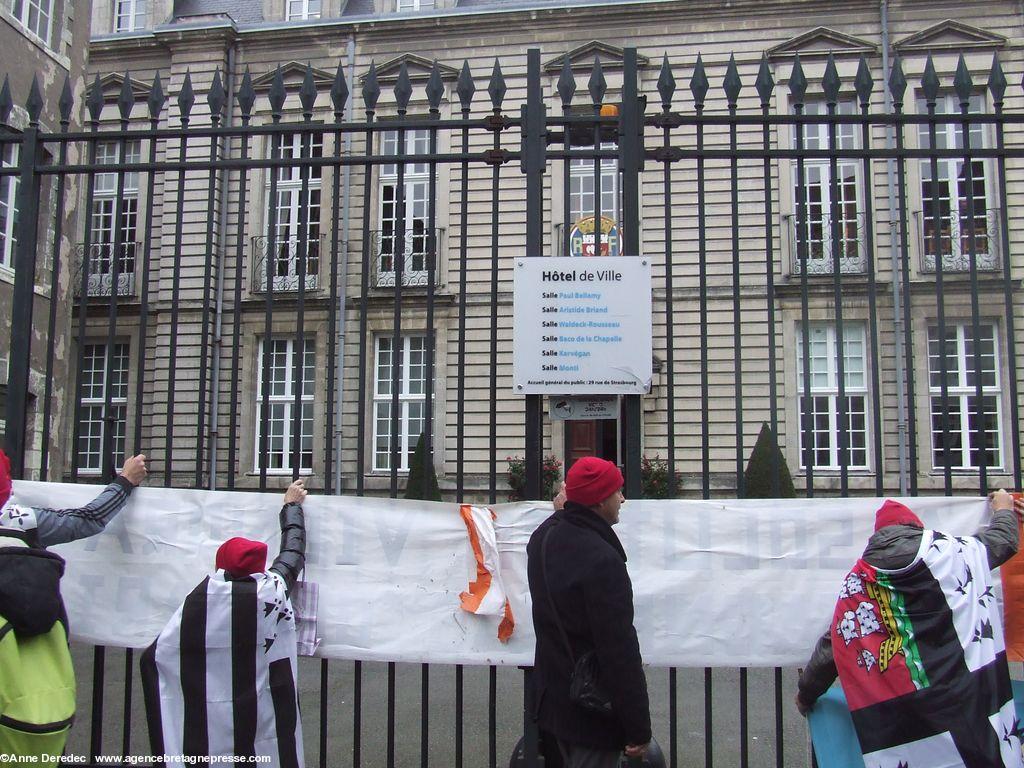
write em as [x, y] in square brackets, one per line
[719, 267]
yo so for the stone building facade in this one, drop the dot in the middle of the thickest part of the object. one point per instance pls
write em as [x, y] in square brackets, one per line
[218, 232]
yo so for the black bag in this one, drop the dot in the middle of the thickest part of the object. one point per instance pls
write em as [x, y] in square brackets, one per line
[585, 681]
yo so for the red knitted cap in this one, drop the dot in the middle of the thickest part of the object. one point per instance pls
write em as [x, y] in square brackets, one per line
[592, 480]
[242, 557]
[894, 513]
[5, 478]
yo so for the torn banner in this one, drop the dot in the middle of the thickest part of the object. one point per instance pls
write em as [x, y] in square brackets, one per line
[486, 595]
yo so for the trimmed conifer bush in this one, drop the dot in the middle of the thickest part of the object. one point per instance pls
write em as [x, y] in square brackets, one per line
[758, 477]
[422, 483]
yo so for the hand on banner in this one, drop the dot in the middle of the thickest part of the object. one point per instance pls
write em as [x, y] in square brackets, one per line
[559, 500]
[801, 707]
[635, 750]
[1000, 500]
[134, 469]
[296, 493]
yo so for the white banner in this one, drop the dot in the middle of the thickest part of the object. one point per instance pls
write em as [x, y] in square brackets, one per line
[716, 583]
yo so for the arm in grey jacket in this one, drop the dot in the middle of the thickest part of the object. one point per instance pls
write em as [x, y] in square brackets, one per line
[1000, 537]
[819, 673]
[58, 526]
[292, 558]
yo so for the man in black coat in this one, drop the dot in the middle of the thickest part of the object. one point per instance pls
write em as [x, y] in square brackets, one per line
[579, 579]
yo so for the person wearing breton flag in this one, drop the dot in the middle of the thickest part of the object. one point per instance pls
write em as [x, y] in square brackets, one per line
[916, 640]
[219, 680]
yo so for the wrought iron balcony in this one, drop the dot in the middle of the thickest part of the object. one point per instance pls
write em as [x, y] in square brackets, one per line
[853, 245]
[285, 264]
[413, 260]
[101, 269]
[955, 241]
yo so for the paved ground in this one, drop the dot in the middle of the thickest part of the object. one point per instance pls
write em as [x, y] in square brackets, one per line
[690, 727]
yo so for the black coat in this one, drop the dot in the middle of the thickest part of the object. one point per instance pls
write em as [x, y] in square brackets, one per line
[589, 584]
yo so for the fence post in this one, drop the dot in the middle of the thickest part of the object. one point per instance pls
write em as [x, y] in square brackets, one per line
[631, 161]
[19, 362]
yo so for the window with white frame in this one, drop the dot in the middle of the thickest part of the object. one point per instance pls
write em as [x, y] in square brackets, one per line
[130, 15]
[408, 225]
[8, 205]
[414, 5]
[280, 424]
[412, 394]
[36, 16]
[105, 243]
[817, 197]
[303, 9]
[823, 396]
[288, 210]
[966, 420]
[581, 187]
[959, 204]
[96, 386]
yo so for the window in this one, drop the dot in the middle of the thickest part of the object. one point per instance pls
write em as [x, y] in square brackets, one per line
[36, 16]
[824, 396]
[95, 387]
[416, 209]
[581, 187]
[414, 5]
[289, 208]
[8, 205]
[964, 422]
[951, 236]
[412, 389]
[303, 10]
[284, 375]
[817, 197]
[130, 15]
[102, 248]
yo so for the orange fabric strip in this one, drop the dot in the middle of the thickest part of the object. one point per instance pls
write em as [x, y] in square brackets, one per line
[477, 589]
[1012, 572]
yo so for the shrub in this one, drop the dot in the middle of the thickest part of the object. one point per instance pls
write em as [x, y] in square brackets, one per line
[654, 479]
[550, 475]
[765, 459]
[422, 483]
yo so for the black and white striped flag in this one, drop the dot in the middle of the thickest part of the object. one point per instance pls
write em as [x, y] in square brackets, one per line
[220, 678]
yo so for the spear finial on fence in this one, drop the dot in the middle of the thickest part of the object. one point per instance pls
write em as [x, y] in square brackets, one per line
[897, 83]
[797, 82]
[186, 98]
[930, 83]
[216, 97]
[465, 87]
[831, 83]
[765, 83]
[963, 84]
[6, 102]
[666, 84]
[597, 84]
[155, 100]
[277, 94]
[66, 103]
[435, 88]
[496, 87]
[307, 93]
[94, 103]
[566, 83]
[339, 93]
[732, 84]
[864, 82]
[699, 83]
[996, 81]
[371, 88]
[126, 98]
[246, 96]
[403, 88]
[34, 103]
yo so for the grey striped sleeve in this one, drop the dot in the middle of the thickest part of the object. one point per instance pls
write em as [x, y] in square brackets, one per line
[57, 526]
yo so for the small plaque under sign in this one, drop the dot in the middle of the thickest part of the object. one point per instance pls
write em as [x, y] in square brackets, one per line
[583, 408]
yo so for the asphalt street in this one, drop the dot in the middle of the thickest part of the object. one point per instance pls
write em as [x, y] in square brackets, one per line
[478, 745]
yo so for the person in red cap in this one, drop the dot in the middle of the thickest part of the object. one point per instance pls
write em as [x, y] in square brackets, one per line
[583, 616]
[916, 641]
[220, 679]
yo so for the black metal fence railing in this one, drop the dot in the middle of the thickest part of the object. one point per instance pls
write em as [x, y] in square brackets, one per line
[285, 267]
[409, 256]
[102, 270]
[725, 333]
